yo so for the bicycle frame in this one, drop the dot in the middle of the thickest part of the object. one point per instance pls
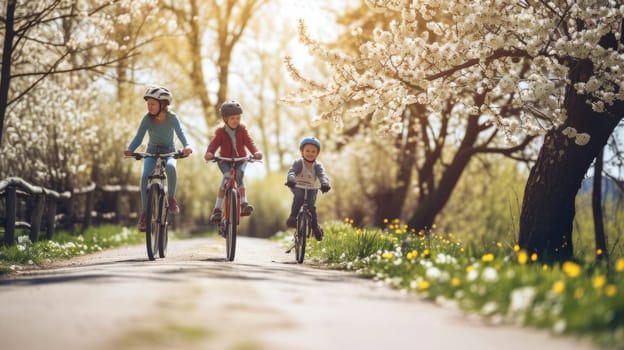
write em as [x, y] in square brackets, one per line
[231, 186]
[303, 229]
[230, 219]
[156, 236]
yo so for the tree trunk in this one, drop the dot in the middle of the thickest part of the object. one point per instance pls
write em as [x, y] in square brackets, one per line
[390, 201]
[430, 203]
[599, 231]
[6, 62]
[548, 208]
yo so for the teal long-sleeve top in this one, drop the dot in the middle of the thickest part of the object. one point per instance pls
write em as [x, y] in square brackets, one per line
[160, 135]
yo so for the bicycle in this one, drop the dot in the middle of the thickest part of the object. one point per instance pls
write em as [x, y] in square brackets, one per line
[303, 229]
[157, 211]
[231, 205]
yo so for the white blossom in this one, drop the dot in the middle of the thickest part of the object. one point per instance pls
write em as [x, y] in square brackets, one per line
[518, 65]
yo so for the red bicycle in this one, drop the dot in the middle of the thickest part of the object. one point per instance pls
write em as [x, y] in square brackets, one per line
[231, 205]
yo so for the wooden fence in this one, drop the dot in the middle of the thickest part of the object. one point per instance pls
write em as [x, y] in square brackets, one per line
[37, 208]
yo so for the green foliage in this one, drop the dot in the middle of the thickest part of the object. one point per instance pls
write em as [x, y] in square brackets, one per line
[499, 283]
[337, 247]
[485, 205]
[583, 229]
[484, 210]
[271, 201]
[65, 245]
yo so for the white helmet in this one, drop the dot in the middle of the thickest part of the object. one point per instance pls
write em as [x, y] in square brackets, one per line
[159, 93]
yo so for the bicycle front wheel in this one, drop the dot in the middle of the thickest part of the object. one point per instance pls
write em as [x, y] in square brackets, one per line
[163, 234]
[231, 225]
[301, 236]
[152, 225]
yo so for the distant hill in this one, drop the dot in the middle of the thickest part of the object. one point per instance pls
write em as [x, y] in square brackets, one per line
[610, 189]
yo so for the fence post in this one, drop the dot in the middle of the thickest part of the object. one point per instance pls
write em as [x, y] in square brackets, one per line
[88, 210]
[118, 210]
[51, 218]
[11, 212]
[35, 219]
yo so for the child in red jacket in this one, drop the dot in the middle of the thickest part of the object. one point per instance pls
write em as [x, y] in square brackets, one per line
[232, 139]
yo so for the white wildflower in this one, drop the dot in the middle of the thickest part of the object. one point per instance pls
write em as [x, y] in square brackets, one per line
[489, 308]
[521, 299]
[559, 326]
[490, 274]
[472, 275]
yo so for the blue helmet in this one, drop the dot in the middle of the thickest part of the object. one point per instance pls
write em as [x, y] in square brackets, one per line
[310, 140]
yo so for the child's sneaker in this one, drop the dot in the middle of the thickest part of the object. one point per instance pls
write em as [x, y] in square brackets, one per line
[246, 209]
[216, 215]
[142, 222]
[291, 222]
[173, 206]
[318, 233]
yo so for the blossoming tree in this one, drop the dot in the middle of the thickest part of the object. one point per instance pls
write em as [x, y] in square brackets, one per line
[538, 68]
[53, 133]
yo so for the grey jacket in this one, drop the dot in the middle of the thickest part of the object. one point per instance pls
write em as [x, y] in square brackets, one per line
[297, 168]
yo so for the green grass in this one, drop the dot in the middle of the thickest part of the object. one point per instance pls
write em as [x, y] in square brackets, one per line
[498, 281]
[65, 245]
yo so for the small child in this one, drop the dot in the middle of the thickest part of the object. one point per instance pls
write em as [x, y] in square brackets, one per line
[160, 124]
[307, 171]
[232, 138]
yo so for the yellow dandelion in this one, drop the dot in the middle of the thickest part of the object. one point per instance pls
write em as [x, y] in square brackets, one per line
[423, 285]
[619, 265]
[599, 252]
[578, 293]
[534, 257]
[487, 257]
[388, 255]
[455, 282]
[558, 287]
[385, 221]
[516, 248]
[545, 267]
[599, 281]
[434, 226]
[571, 269]
[523, 257]
[611, 290]
[426, 252]
[412, 255]
[469, 268]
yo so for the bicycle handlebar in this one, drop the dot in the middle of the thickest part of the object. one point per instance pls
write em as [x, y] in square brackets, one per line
[141, 155]
[249, 158]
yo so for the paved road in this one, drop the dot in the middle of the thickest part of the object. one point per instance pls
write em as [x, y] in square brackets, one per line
[193, 299]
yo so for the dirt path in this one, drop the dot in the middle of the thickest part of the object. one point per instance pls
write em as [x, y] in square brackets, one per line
[193, 299]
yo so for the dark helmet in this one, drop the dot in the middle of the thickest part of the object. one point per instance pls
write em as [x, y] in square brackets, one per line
[229, 108]
[159, 93]
[310, 140]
